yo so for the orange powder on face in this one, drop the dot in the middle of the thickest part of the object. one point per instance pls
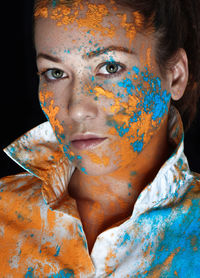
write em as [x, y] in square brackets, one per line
[63, 16]
[94, 18]
[41, 12]
[104, 160]
[49, 109]
[117, 105]
[129, 27]
[136, 131]
[148, 57]
[138, 19]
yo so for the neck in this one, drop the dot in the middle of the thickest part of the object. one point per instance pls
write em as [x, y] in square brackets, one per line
[103, 201]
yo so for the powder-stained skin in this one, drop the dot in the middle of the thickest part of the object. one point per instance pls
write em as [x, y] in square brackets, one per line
[132, 101]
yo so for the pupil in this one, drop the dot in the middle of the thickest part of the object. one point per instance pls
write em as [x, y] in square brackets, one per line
[57, 73]
[112, 68]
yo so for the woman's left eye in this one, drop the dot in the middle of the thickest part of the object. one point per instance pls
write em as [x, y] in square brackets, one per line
[54, 74]
[110, 68]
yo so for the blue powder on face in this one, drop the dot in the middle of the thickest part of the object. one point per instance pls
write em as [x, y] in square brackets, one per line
[83, 170]
[128, 85]
[67, 51]
[160, 107]
[66, 152]
[151, 99]
[137, 146]
[136, 70]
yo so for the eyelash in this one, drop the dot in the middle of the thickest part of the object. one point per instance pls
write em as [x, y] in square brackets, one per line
[107, 76]
[111, 75]
[46, 71]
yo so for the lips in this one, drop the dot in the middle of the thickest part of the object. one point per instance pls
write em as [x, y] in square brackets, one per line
[89, 141]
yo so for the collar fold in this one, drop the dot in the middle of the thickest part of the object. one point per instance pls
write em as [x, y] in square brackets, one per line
[38, 153]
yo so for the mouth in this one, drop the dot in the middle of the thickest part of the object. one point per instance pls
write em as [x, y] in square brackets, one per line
[84, 142]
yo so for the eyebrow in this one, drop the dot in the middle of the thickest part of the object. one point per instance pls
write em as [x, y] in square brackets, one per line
[49, 57]
[89, 55]
[107, 49]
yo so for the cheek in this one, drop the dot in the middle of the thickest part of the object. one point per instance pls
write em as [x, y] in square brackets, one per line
[50, 110]
[138, 110]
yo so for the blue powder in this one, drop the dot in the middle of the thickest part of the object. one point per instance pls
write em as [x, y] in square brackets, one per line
[136, 70]
[54, 3]
[137, 146]
[66, 152]
[29, 273]
[65, 273]
[57, 251]
[125, 240]
[128, 85]
[83, 170]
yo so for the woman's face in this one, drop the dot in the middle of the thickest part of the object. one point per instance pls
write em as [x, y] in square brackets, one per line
[100, 86]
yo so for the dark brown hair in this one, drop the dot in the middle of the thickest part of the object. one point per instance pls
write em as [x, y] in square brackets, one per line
[177, 24]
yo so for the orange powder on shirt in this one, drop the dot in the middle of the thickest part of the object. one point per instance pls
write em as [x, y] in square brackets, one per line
[109, 269]
[158, 270]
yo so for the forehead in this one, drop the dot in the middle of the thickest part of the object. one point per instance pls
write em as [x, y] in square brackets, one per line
[87, 24]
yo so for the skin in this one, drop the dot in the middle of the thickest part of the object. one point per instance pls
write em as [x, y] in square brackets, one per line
[83, 96]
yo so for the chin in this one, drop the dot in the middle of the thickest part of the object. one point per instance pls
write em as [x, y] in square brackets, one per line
[94, 169]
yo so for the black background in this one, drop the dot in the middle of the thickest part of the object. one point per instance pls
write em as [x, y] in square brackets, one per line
[20, 110]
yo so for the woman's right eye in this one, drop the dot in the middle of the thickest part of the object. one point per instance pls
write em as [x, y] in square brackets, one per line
[54, 74]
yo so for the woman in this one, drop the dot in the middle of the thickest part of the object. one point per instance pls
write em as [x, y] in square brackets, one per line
[109, 191]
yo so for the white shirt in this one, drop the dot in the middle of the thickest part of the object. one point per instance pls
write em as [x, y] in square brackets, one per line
[41, 234]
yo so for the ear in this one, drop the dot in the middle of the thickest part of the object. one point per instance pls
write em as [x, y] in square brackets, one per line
[179, 75]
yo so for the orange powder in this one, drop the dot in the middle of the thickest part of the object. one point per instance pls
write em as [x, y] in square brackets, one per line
[98, 160]
[138, 128]
[110, 256]
[148, 57]
[157, 272]
[50, 111]
[129, 27]
[41, 12]
[94, 18]
[138, 19]
[63, 16]
[115, 108]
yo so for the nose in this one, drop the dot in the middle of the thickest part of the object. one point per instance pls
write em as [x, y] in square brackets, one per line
[82, 109]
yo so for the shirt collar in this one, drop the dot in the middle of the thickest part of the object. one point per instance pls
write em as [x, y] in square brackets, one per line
[38, 152]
